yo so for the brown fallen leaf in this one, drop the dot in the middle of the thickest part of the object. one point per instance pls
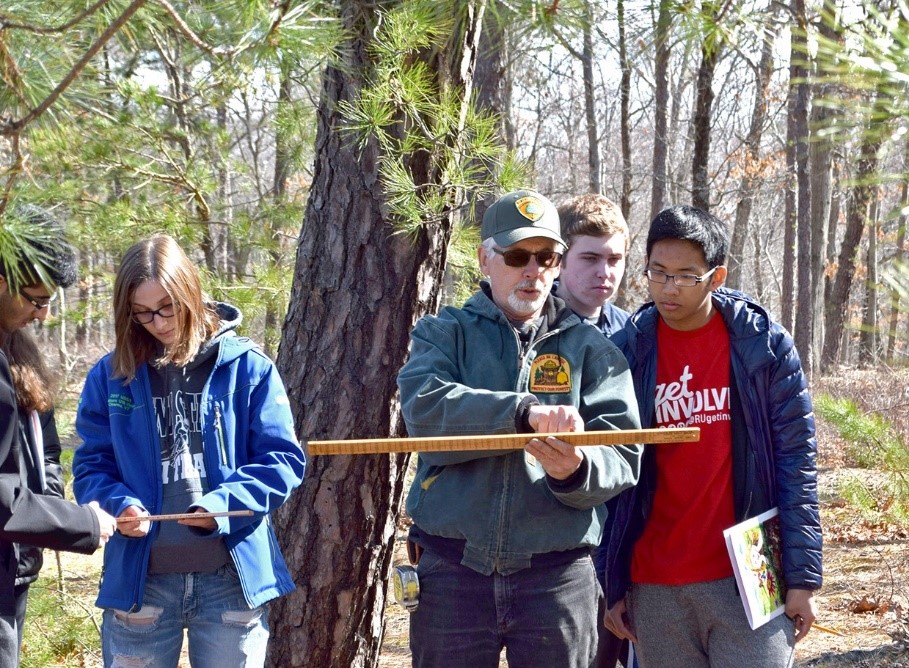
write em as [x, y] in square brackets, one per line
[863, 606]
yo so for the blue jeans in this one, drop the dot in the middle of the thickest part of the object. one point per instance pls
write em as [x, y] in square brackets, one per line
[542, 616]
[222, 630]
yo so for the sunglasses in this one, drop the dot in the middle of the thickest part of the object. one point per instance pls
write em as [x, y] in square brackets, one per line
[518, 257]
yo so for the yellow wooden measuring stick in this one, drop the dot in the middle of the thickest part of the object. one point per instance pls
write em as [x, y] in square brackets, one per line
[826, 629]
[185, 516]
[374, 446]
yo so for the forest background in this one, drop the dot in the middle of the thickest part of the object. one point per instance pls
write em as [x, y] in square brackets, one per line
[325, 163]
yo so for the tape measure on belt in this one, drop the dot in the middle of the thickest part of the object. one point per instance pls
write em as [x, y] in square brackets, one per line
[407, 586]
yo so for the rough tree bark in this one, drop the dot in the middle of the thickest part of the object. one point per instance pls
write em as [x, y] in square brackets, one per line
[358, 288]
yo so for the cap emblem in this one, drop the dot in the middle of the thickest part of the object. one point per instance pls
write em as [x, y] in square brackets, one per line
[531, 208]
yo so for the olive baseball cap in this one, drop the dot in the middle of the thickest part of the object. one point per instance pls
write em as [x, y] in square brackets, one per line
[519, 215]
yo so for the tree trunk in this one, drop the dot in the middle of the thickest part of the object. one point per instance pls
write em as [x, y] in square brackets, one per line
[711, 47]
[661, 107]
[832, 225]
[358, 289]
[625, 119]
[590, 109]
[857, 213]
[804, 322]
[787, 289]
[899, 254]
[272, 335]
[622, 297]
[750, 175]
[820, 157]
[868, 337]
[493, 79]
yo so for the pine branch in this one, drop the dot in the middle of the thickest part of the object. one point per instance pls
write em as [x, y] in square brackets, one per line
[9, 128]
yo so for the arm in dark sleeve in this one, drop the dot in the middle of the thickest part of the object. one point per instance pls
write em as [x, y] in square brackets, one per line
[53, 471]
[26, 517]
[794, 444]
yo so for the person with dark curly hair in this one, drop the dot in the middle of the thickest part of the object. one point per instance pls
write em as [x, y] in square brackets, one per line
[37, 262]
[39, 447]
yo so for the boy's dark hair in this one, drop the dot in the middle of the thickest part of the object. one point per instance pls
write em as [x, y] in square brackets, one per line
[40, 252]
[695, 225]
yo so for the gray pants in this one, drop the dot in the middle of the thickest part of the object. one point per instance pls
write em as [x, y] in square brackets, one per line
[703, 625]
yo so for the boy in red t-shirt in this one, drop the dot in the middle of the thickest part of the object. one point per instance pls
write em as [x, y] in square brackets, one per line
[708, 357]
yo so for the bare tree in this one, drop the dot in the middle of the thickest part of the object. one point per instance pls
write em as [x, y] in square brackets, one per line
[593, 141]
[750, 175]
[868, 334]
[661, 107]
[798, 72]
[898, 258]
[711, 48]
[820, 158]
[856, 217]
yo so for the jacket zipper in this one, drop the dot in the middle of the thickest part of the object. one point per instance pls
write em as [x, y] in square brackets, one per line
[522, 350]
[145, 388]
[506, 473]
[219, 433]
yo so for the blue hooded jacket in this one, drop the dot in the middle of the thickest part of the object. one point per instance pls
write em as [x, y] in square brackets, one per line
[773, 438]
[252, 458]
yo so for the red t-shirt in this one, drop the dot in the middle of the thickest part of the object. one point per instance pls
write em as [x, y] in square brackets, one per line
[683, 540]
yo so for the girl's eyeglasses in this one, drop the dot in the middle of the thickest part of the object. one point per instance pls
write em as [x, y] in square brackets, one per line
[145, 317]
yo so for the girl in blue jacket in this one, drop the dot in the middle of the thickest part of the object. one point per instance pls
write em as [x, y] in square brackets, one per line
[185, 416]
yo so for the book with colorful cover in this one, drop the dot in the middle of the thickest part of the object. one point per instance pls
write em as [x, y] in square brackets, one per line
[754, 549]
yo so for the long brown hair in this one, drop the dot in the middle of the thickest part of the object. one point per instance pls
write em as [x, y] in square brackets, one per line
[159, 258]
[33, 382]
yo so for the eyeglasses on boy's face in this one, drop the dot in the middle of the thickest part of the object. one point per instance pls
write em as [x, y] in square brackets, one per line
[145, 317]
[518, 257]
[680, 280]
[40, 303]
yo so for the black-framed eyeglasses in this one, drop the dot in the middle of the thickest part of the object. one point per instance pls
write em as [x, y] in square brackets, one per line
[518, 257]
[145, 317]
[680, 280]
[40, 303]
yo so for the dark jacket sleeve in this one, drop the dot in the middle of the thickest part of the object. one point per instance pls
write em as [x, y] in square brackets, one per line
[53, 471]
[793, 439]
[26, 517]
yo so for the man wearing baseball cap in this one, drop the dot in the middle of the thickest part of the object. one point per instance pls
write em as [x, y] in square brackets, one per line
[503, 537]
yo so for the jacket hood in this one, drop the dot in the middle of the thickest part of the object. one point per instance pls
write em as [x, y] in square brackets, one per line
[231, 318]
